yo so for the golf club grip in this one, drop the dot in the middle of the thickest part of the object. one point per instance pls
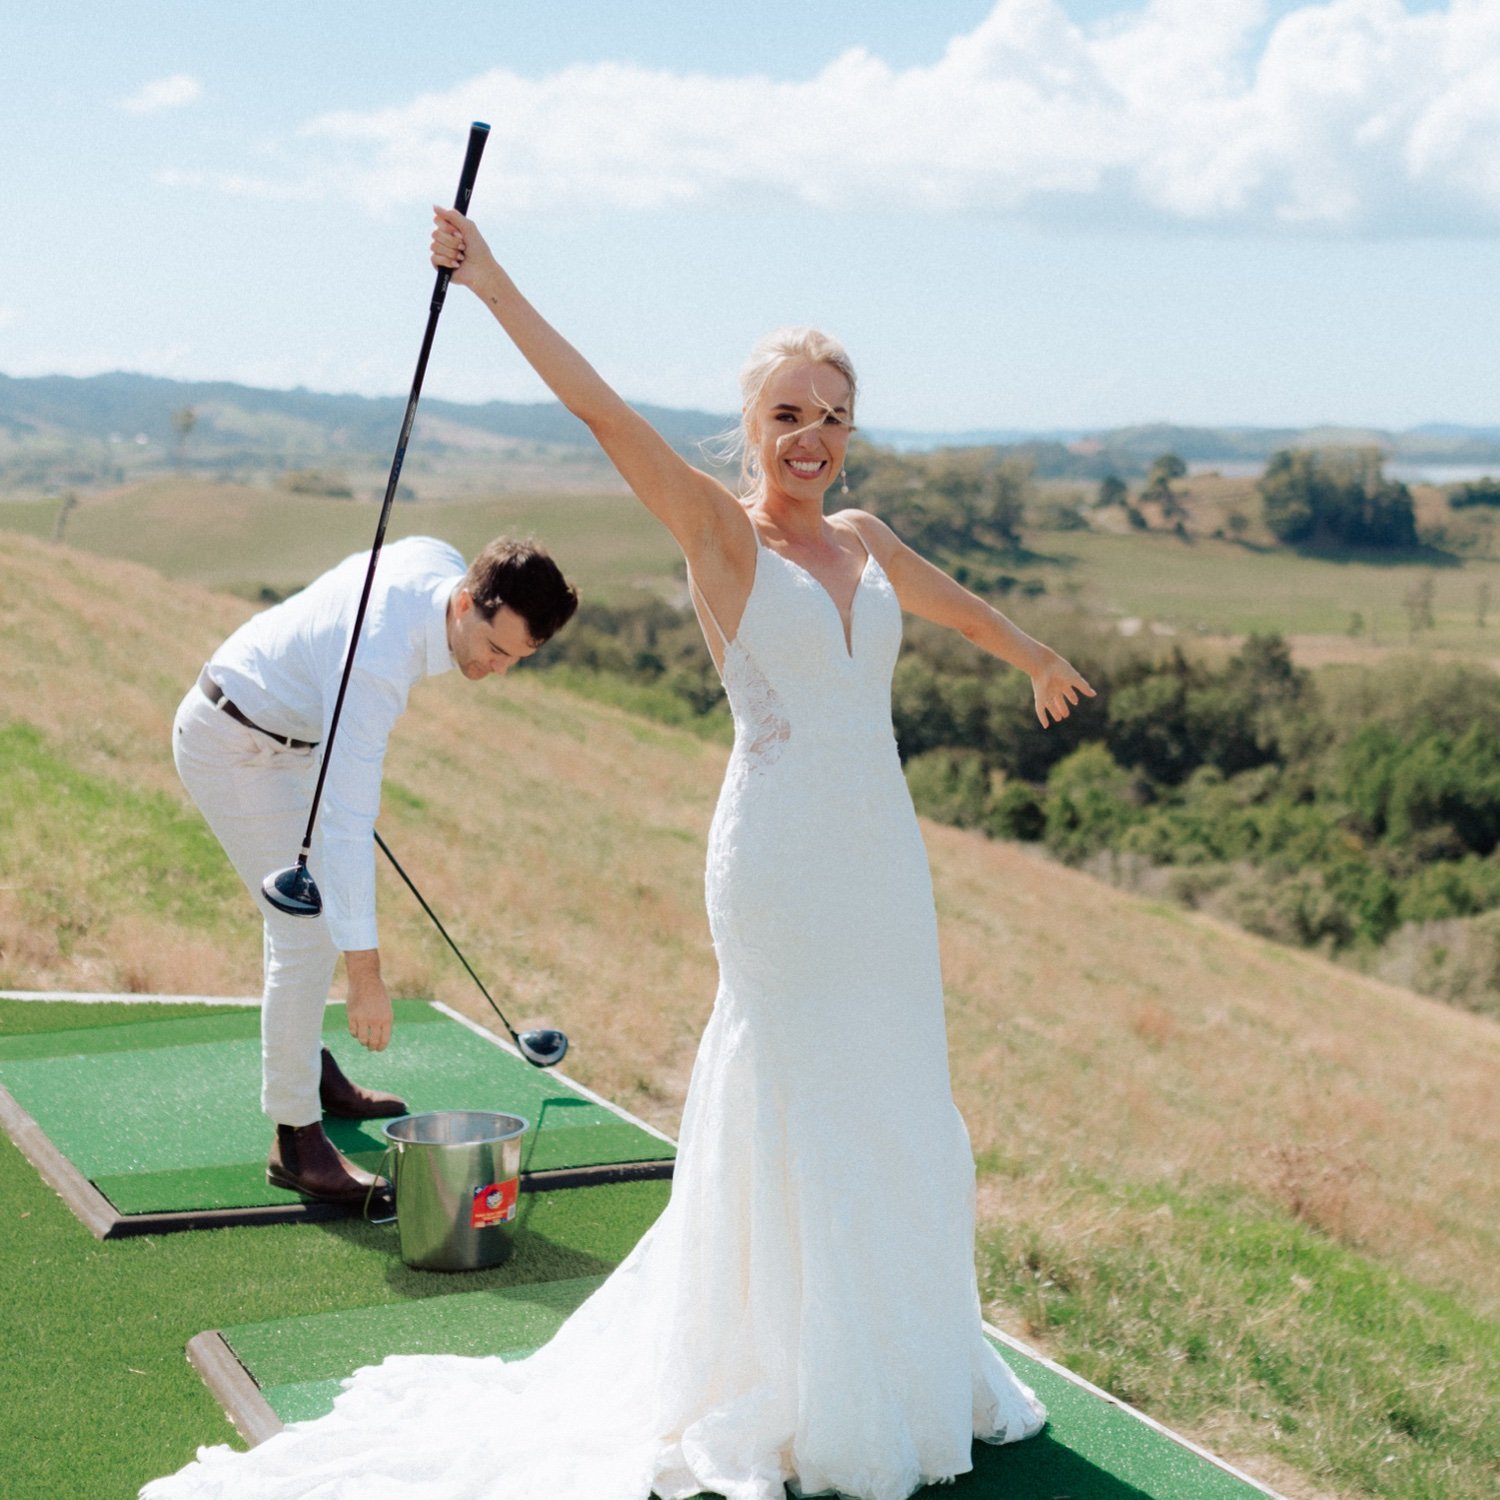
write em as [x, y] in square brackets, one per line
[479, 133]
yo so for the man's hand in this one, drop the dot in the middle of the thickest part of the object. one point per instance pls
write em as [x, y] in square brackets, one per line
[368, 1005]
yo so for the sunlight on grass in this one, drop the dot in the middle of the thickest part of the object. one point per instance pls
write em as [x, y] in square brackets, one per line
[80, 852]
[1217, 1315]
[1222, 588]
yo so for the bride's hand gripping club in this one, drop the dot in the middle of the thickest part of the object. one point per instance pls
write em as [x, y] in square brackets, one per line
[459, 247]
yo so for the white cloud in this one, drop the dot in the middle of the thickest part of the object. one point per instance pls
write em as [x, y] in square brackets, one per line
[164, 93]
[237, 185]
[1352, 116]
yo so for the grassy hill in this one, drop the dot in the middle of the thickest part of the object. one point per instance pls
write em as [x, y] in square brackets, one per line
[243, 538]
[1246, 1189]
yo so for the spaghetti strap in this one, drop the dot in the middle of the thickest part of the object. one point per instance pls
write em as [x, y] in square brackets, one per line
[706, 609]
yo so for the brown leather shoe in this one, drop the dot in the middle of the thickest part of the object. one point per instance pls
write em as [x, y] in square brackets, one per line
[348, 1101]
[306, 1161]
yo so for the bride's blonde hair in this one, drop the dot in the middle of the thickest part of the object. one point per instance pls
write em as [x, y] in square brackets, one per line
[780, 347]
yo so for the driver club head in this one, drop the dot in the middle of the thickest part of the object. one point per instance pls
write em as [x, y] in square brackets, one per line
[545, 1049]
[294, 892]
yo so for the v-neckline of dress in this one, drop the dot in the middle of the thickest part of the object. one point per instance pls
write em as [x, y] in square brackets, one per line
[846, 626]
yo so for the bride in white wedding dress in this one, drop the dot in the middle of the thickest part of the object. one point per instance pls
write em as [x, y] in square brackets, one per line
[804, 1313]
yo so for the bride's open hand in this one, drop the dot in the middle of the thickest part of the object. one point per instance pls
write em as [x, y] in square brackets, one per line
[1055, 687]
[458, 246]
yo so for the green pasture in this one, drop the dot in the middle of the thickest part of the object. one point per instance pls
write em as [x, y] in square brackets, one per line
[242, 539]
[1206, 586]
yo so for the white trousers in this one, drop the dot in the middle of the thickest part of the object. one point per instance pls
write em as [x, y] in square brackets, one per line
[255, 795]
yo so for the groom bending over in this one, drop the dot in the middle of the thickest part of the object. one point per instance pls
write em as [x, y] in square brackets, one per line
[245, 742]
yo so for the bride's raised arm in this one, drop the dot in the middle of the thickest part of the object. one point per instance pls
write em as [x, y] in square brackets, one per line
[700, 512]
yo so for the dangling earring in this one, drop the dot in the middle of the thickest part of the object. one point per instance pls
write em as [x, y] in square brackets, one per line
[844, 481]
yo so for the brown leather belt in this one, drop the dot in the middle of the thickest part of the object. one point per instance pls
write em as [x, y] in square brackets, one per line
[215, 695]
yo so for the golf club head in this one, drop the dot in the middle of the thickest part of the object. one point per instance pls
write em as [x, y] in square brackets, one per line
[294, 892]
[544, 1049]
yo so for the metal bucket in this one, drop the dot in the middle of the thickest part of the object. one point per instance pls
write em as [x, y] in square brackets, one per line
[457, 1176]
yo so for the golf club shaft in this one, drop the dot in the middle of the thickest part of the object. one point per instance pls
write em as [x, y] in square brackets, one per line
[478, 135]
[385, 849]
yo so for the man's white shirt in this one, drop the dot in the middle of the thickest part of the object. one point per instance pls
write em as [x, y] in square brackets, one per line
[282, 669]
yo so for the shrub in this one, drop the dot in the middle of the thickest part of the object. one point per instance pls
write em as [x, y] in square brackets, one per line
[1015, 812]
[1451, 888]
[1484, 491]
[1298, 910]
[1090, 802]
[1457, 960]
[1400, 786]
[950, 786]
[332, 486]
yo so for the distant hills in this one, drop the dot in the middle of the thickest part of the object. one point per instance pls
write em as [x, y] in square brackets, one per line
[1135, 447]
[246, 424]
[309, 423]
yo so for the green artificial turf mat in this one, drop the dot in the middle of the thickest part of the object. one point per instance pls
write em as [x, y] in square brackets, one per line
[96, 1393]
[299, 1363]
[1092, 1449]
[163, 1115]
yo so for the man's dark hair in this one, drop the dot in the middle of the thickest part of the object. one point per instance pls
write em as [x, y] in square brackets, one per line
[522, 575]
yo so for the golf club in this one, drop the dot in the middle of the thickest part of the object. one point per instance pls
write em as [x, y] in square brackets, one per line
[293, 890]
[543, 1049]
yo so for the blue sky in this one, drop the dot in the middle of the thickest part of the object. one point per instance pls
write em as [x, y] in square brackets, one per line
[1016, 213]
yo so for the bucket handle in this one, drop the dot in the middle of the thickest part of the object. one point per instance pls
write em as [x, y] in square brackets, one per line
[385, 1156]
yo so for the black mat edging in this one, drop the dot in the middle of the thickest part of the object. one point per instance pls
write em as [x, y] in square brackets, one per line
[233, 1387]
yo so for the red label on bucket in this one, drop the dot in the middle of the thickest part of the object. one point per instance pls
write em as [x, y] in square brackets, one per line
[494, 1203]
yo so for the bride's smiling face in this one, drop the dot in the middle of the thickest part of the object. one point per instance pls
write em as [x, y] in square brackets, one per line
[801, 428]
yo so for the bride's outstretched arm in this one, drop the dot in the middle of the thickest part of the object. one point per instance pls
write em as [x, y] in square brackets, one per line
[699, 512]
[925, 590]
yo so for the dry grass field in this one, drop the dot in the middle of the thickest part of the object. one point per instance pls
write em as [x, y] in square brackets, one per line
[241, 538]
[1248, 1189]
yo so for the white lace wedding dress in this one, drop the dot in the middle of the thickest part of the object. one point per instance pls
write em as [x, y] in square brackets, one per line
[804, 1311]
